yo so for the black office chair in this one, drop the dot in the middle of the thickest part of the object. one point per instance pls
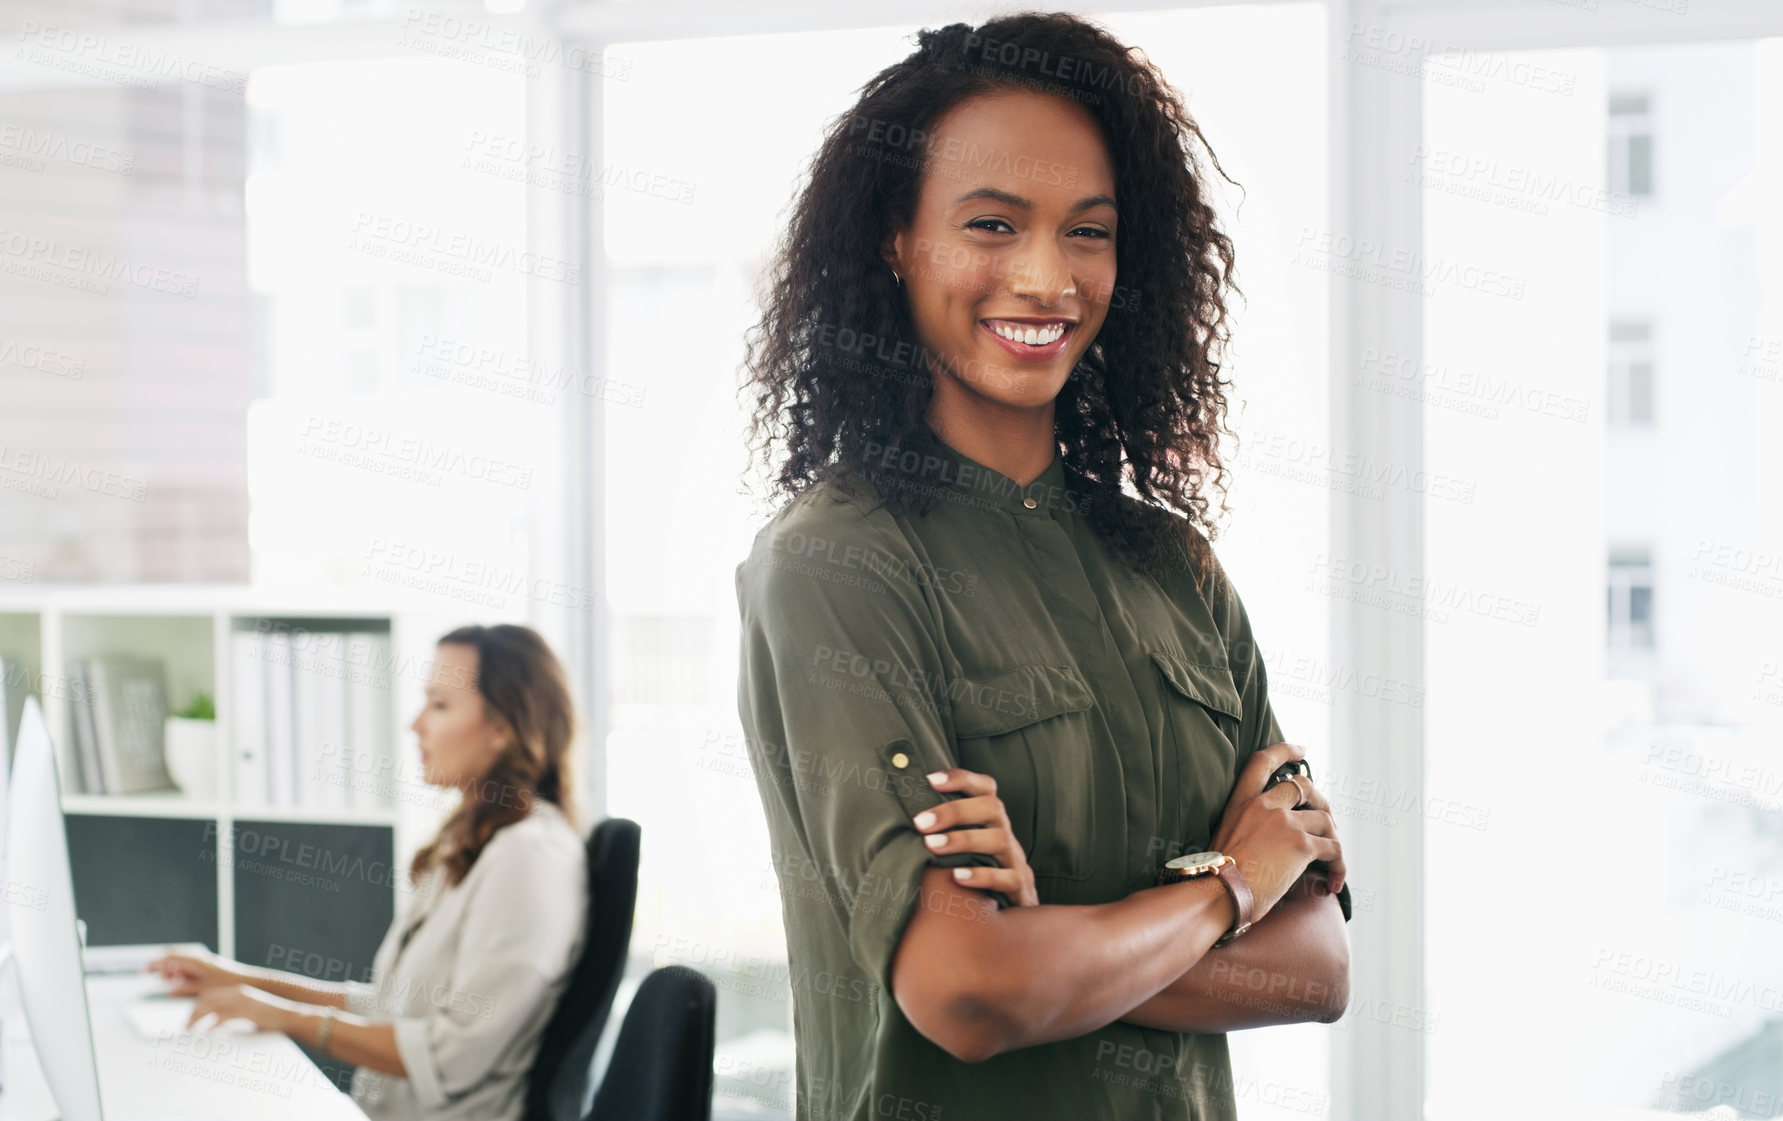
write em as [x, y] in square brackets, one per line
[558, 1082]
[661, 1069]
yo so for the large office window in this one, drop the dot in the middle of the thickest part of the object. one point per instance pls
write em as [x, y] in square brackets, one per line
[257, 322]
[1609, 974]
[389, 269]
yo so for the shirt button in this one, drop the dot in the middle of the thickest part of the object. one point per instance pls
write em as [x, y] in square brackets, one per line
[900, 760]
[1029, 503]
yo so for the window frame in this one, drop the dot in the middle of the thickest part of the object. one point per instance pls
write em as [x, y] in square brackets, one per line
[1622, 356]
[1630, 569]
[1622, 130]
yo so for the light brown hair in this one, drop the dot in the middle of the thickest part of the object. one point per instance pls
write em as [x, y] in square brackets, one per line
[524, 688]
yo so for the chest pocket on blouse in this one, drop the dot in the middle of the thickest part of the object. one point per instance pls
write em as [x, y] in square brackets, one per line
[1029, 728]
[1203, 713]
[1216, 709]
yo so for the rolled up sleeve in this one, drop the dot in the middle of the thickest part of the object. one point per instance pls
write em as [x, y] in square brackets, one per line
[362, 999]
[522, 928]
[843, 700]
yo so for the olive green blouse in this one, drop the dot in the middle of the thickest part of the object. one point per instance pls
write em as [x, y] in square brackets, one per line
[998, 633]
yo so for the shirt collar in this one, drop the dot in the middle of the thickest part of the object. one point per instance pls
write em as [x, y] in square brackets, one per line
[932, 466]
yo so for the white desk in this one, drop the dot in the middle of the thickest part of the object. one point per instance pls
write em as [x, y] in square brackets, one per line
[225, 1075]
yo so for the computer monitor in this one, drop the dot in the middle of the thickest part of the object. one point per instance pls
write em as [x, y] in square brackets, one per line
[9, 736]
[15, 686]
[45, 941]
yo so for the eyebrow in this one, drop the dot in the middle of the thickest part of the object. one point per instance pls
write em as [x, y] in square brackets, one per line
[1020, 203]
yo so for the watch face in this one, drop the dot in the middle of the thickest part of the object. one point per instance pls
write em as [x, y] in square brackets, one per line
[1196, 862]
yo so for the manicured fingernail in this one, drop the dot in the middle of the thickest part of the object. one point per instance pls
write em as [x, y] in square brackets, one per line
[937, 778]
[935, 840]
[924, 819]
[962, 873]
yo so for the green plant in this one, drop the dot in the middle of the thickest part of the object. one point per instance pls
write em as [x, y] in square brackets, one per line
[201, 708]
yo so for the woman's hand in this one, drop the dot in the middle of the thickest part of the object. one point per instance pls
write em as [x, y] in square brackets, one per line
[1256, 775]
[193, 973]
[982, 808]
[1272, 841]
[239, 1002]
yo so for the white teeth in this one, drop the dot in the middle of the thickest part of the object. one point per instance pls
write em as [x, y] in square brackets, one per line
[1030, 336]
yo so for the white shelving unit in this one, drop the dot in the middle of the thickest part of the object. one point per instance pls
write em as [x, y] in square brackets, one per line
[188, 628]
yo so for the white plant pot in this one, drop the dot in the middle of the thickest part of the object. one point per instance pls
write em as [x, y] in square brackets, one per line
[191, 750]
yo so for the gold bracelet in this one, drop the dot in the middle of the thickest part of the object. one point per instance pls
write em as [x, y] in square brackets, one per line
[325, 1029]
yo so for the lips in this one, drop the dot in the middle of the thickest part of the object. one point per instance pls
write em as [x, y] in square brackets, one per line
[1032, 340]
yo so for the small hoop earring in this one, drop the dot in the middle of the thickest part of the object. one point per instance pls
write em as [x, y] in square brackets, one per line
[897, 278]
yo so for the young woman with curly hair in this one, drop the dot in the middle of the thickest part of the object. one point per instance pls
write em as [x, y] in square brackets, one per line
[994, 681]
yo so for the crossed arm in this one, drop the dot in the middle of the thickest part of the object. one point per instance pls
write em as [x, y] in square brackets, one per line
[1292, 966]
[1028, 975]
[1031, 975]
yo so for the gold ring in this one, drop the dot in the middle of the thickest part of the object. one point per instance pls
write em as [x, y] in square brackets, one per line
[1299, 790]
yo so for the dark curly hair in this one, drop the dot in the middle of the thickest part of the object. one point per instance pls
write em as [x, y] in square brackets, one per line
[1145, 405]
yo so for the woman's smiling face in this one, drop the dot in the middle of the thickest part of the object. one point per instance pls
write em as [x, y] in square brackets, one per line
[1009, 260]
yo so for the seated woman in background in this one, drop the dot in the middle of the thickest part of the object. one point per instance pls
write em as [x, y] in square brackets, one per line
[465, 981]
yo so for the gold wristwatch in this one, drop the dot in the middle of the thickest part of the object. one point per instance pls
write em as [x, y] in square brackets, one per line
[1197, 864]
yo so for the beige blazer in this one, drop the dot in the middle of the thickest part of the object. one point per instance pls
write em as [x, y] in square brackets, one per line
[471, 973]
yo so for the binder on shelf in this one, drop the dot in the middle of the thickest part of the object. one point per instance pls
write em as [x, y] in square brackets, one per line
[371, 775]
[318, 672]
[334, 760]
[247, 716]
[86, 739]
[281, 752]
[129, 715]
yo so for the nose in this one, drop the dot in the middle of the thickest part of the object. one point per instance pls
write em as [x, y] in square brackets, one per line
[1041, 274]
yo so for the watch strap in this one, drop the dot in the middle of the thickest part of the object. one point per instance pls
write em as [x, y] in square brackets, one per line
[1240, 890]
